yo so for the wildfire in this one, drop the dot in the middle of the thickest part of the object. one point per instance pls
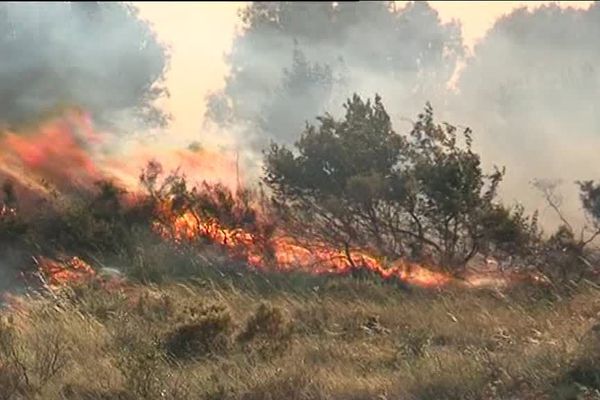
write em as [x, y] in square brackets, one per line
[287, 254]
[56, 151]
[61, 273]
[64, 151]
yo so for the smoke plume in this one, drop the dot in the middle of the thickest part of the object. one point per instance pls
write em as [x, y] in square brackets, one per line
[97, 56]
[528, 90]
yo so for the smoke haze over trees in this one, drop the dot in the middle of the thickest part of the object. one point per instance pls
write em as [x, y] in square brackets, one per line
[528, 89]
[421, 195]
[294, 61]
[97, 56]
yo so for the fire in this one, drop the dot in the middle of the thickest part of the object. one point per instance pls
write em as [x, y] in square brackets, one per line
[55, 151]
[65, 152]
[287, 253]
[57, 274]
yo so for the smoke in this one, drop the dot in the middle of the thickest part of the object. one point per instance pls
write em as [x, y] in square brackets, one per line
[528, 90]
[295, 61]
[98, 56]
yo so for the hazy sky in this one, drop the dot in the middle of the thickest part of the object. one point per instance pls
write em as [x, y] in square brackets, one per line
[200, 34]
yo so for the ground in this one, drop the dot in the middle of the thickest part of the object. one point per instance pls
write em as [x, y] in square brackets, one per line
[275, 336]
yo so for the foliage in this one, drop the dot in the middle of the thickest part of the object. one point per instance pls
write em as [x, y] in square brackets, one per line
[418, 345]
[12, 225]
[210, 205]
[566, 255]
[510, 231]
[96, 222]
[590, 199]
[355, 182]
[268, 331]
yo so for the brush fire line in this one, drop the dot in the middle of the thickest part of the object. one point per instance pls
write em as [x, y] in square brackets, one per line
[61, 154]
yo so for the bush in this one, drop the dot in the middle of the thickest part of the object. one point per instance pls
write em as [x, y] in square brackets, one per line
[203, 332]
[97, 221]
[267, 331]
[30, 362]
[143, 369]
[355, 183]
[584, 372]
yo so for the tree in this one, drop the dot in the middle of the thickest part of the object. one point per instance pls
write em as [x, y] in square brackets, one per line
[305, 87]
[294, 59]
[566, 254]
[590, 199]
[97, 56]
[356, 183]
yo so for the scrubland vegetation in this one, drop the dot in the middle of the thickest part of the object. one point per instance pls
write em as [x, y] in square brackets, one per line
[237, 335]
[178, 314]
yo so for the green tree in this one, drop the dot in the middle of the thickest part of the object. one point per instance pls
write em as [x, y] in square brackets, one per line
[356, 183]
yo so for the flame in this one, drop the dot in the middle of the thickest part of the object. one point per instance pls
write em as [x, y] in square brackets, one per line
[287, 253]
[57, 274]
[68, 152]
[56, 151]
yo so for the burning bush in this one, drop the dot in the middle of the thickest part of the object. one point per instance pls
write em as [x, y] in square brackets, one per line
[209, 212]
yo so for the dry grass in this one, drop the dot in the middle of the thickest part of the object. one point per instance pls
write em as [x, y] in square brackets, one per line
[292, 337]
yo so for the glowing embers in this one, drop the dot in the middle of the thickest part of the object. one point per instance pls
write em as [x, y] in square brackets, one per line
[69, 271]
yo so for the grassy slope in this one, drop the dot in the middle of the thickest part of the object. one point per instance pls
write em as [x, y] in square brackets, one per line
[316, 338]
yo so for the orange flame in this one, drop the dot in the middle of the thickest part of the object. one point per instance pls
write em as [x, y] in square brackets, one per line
[63, 151]
[58, 274]
[55, 151]
[287, 253]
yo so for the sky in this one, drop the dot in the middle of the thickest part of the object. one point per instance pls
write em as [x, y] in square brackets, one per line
[199, 35]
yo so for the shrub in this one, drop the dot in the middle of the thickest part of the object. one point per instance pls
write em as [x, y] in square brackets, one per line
[584, 371]
[143, 370]
[356, 183]
[203, 332]
[30, 362]
[267, 331]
